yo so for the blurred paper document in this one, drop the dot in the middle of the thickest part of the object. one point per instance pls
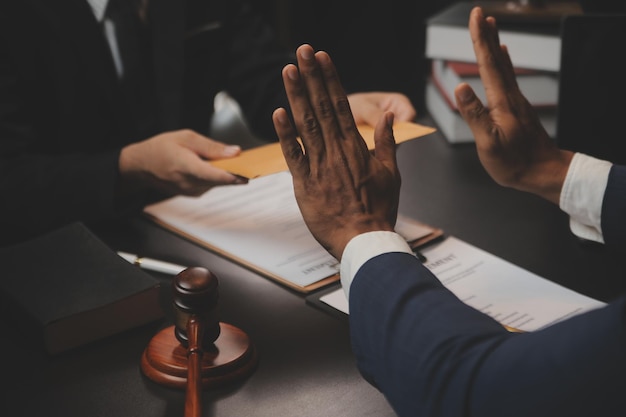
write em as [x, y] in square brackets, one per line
[511, 295]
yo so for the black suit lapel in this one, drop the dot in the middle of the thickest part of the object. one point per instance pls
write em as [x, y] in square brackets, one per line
[167, 18]
[75, 21]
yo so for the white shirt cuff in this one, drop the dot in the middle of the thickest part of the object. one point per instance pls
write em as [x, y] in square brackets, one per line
[582, 195]
[364, 247]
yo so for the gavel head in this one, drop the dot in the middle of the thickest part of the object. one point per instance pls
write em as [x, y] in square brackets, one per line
[195, 293]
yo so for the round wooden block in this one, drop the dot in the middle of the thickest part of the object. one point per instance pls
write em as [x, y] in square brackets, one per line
[231, 359]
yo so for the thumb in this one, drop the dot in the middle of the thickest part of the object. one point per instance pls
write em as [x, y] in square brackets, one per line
[471, 108]
[384, 142]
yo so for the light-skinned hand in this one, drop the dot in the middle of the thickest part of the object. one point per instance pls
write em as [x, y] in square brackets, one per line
[342, 188]
[367, 108]
[176, 163]
[512, 144]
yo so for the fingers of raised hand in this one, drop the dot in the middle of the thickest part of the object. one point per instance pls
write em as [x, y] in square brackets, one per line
[337, 95]
[319, 92]
[348, 136]
[304, 117]
[385, 144]
[320, 107]
[493, 61]
[287, 136]
[474, 113]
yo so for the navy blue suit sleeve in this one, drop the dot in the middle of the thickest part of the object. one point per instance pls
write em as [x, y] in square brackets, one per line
[614, 207]
[432, 355]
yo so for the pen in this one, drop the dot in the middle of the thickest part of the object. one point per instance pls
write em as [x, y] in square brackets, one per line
[152, 264]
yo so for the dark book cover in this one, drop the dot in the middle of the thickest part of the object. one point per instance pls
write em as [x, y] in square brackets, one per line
[68, 288]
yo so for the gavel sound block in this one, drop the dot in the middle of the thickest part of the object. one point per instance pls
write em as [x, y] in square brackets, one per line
[222, 353]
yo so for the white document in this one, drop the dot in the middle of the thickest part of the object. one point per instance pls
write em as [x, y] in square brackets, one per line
[259, 224]
[511, 295]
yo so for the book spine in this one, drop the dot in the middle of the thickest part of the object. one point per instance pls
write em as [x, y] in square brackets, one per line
[531, 51]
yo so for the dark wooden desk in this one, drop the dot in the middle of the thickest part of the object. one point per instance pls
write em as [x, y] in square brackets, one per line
[306, 366]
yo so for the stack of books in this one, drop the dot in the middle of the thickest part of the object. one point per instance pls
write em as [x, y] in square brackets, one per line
[534, 50]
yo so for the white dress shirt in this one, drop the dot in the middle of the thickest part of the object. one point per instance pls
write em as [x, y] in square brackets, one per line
[581, 198]
[99, 8]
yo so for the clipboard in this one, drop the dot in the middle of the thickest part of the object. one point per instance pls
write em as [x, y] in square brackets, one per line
[433, 235]
[241, 261]
[315, 300]
[259, 225]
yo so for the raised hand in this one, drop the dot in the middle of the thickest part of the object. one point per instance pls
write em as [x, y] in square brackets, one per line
[512, 144]
[341, 188]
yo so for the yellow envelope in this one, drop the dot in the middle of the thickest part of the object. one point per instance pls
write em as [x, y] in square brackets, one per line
[268, 159]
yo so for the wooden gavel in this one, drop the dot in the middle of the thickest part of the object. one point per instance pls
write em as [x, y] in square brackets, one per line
[198, 351]
[195, 326]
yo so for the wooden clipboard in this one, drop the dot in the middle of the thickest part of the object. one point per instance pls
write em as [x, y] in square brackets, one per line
[254, 164]
[244, 263]
[433, 236]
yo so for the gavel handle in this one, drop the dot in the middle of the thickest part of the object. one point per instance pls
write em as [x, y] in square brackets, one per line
[193, 403]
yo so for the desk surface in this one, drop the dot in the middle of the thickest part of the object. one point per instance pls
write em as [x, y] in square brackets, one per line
[306, 366]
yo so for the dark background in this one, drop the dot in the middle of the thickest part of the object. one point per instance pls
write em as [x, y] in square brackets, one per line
[376, 45]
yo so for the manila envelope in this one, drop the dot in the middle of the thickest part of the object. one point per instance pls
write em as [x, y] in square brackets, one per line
[269, 159]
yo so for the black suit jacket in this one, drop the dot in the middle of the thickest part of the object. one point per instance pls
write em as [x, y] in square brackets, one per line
[63, 119]
[432, 355]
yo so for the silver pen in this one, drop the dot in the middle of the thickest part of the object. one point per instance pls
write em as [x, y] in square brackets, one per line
[153, 264]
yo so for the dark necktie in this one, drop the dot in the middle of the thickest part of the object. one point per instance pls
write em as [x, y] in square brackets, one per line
[132, 32]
